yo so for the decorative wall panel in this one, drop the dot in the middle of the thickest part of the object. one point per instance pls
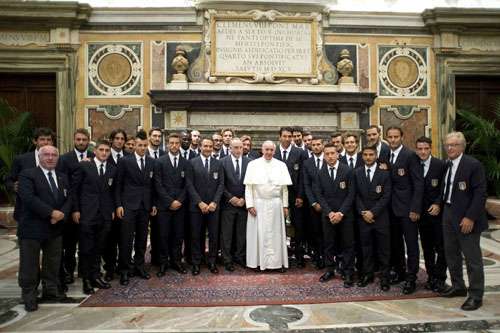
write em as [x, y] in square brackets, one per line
[102, 119]
[414, 120]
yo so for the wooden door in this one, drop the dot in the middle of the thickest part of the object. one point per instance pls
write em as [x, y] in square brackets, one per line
[32, 92]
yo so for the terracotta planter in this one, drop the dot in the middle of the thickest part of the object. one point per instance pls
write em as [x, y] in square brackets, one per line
[493, 207]
[7, 217]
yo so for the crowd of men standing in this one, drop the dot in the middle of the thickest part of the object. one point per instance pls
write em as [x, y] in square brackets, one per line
[354, 212]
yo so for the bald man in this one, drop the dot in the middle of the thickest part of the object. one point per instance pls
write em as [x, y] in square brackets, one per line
[44, 193]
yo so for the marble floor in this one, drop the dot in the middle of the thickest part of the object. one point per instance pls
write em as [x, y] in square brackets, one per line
[417, 315]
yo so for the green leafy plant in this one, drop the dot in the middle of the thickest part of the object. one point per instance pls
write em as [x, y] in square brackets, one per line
[15, 138]
[483, 142]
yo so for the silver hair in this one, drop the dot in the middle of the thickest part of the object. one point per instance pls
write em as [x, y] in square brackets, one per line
[459, 135]
[235, 140]
[269, 142]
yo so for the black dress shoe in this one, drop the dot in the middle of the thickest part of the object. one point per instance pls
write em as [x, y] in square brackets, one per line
[141, 272]
[385, 285]
[327, 276]
[99, 283]
[179, 267]
[439, 286]
[229, 267]
[213, 269]
[452, 292]
[396, 278]
[109, 276]
[429, 285]
[365, 280]
[124, 279]
[87, 287]
[471, 304]
[30, 306]
[301, 263]
[348, 281]
[320, 264]
[162, 271]
[409, 287]
[195, 270]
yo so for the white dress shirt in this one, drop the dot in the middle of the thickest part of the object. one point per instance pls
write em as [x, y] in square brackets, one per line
[454, 167]
[153, 151]
[354, 159]
[114, 153]
[79, 153]
[427, 164]
[336, 168]
[287, 151]
[98, 165]
[320, 160]
[138, 160]
[46, 173]
[234, 162]
[203, 159]
[37, 158]
[396, 153]
[372, 170]
[172, 156]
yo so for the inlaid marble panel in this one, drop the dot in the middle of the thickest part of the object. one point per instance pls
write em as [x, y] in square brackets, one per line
[102, 119]
[414, 120]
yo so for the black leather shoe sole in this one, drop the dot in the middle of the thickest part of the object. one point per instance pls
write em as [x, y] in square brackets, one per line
[450, 293]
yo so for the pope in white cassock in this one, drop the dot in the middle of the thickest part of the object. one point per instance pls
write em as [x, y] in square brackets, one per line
[266, 196]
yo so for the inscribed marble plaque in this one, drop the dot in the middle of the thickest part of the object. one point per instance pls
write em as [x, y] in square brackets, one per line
[281, 48]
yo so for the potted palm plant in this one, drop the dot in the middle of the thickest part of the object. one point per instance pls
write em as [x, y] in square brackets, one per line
[483, 142]
[15, 134]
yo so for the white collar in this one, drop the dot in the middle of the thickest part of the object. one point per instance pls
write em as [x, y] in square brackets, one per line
[336, 166]
[98, 163]
[316, 157]
[372, 168]
[137, 157]
[78, 153]
[285, 149]
[457, 160]
[172, 155]
[397, 150]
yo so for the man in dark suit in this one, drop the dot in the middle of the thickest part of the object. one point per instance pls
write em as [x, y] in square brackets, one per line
[334, 190]
[42, 136]
[297, 138]
[129, 146]
[155, 152]
[464, 218]
[187, 154]
[194, 148]
[185, 150]
[227, 135]
[373, 195]
[354, 160]
[117, 137]
[170, 184]
[429, 225]
[93, 210]
[373, 139]
[406, 204]
[205, 183]
[247, 148]
[44, 193]
[294, 157]
[352, 157]
[233, 208]
[218, 152]
[310, 170]
[338, 140]
[135, 203]
[68, 163]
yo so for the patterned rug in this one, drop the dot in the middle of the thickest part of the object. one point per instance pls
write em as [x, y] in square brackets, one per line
[242, 287]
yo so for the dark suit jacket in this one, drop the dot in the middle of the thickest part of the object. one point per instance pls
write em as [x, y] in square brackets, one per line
[68, 163]
[309, 172]
[112, 161]
[468, 195]
[161, 151]
[407, 184]
[170, 183]
[190, 155]
[294, 162]
[233, 187]
[134, 187]
[92, 195]
[252, 154]
[203, 186]
[38, 202]
[222, 154]
[385, 153]
[359, 160]
[375, 195]
[432, 183]
[338, 195]
[20, 163]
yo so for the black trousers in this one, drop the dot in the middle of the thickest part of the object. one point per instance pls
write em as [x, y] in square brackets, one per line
[133, 233]
[92, 242]
[69, 244]
[212, 221]
[233, 234]
[299, 223]
[187, 234]
[155, 240]
[29, 267]
[111, 246]
[404, 232]
[339, 235]
[431, 237]
[315, 226]
[171, 234]
[455, 244]
[370, 234]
